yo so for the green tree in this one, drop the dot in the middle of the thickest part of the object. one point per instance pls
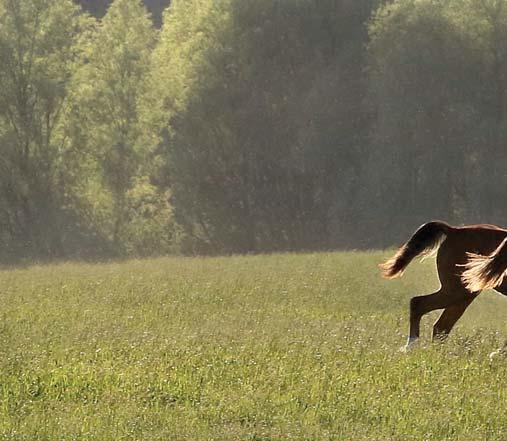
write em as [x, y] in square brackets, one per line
[38, 51]
[108, 93]
[245, 90]
[99, 7]
[437, 82]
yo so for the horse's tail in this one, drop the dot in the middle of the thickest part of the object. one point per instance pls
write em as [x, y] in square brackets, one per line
[424, 242]
[486, 272]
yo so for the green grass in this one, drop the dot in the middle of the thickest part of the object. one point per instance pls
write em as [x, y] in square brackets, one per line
[281, 347]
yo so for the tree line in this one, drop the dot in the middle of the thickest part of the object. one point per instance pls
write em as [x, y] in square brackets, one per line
[242, 127]
[98, 8]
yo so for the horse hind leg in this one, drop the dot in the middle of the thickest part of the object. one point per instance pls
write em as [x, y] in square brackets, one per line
[421, 305]
[449, 317]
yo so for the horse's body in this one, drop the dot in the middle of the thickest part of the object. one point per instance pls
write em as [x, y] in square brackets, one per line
[454, 245]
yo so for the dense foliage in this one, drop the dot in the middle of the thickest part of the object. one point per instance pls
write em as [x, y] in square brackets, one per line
[246, 126]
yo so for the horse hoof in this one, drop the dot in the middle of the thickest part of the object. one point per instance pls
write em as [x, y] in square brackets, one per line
[498, 353]
[409, 346]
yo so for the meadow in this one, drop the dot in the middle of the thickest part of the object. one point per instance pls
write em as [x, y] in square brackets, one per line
[278, 347]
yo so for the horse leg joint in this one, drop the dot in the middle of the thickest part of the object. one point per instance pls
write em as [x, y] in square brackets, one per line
[439, 334]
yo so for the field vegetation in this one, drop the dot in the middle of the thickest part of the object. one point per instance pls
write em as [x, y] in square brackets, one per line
[274, 347]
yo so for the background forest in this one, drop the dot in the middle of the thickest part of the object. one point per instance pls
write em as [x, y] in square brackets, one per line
[232, 126]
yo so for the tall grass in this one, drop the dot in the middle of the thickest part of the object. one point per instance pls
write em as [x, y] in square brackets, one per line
[279, 347]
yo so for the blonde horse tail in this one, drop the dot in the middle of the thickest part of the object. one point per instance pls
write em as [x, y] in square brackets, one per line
[424, 242]
[486, 272]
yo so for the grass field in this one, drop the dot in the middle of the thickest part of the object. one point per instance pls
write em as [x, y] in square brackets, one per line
[281, 347]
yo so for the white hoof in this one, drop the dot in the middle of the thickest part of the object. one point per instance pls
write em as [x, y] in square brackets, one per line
[498, 353]
[411, 342]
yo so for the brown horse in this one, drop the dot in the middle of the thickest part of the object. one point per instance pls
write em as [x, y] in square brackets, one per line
[454, 246]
